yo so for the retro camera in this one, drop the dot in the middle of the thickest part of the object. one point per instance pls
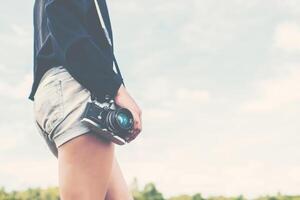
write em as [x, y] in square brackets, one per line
[109, 120]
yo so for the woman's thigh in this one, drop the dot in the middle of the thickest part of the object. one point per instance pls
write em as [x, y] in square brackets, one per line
[117, 188]
[85, 165]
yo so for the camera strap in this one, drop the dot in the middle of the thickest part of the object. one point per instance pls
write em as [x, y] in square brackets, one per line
[105, 22]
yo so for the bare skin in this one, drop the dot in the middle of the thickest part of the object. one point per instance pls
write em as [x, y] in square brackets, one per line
[87, 165]
[117, 188]
[124, 99]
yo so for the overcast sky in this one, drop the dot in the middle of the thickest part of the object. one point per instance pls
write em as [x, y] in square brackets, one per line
[218, 83]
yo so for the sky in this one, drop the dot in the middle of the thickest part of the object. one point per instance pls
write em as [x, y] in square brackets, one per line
[218, 83]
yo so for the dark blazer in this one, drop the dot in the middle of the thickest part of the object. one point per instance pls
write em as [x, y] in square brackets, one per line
[69, 33]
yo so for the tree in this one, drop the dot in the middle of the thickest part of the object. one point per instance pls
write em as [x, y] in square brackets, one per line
[151, 193]
[197, 196]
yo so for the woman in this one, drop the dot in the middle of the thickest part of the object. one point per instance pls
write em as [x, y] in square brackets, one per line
[73, 59]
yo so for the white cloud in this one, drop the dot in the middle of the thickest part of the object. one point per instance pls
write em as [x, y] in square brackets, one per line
[3, 68]
[157, 114]
[192, 95]
[164, 91]
[186, 169]
[18, 36]
[291, 7]
[167, 99]
[8, 143]
[19, 30]
[19, 90]
[275, 93]
[26, 173]
[287, 36]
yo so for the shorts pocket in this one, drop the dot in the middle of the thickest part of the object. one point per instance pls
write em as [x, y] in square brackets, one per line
[48, 104]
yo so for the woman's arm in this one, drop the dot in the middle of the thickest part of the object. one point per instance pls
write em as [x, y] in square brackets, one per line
[82, 57]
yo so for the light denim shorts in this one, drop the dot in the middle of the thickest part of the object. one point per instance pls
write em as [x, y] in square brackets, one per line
[59, 103]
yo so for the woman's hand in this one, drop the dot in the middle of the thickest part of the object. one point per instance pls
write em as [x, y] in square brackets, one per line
[123, 99]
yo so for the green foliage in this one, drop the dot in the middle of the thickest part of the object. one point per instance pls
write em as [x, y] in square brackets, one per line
[50, 193]
[197, 197]
[149, 192]
[181, 197]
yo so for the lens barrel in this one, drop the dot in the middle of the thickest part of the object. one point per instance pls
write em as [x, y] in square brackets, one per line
[119, 121]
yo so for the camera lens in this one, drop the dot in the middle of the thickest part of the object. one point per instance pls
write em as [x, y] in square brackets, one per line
[124, 120]
[120, 121]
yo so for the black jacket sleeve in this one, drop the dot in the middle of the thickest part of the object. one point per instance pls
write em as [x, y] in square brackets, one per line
[81, 56]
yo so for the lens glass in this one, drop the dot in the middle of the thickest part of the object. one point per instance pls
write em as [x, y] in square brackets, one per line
[124, 120]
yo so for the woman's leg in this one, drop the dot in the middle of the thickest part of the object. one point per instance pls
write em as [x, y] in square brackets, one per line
[85, 165]
[117, 188]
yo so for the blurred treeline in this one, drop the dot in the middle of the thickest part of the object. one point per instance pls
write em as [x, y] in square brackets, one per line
[149, 192]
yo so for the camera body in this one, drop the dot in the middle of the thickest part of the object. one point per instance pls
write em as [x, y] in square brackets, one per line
[109, 120]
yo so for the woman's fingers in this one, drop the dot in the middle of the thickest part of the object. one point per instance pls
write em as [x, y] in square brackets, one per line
[137, 128]
[123, 99]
